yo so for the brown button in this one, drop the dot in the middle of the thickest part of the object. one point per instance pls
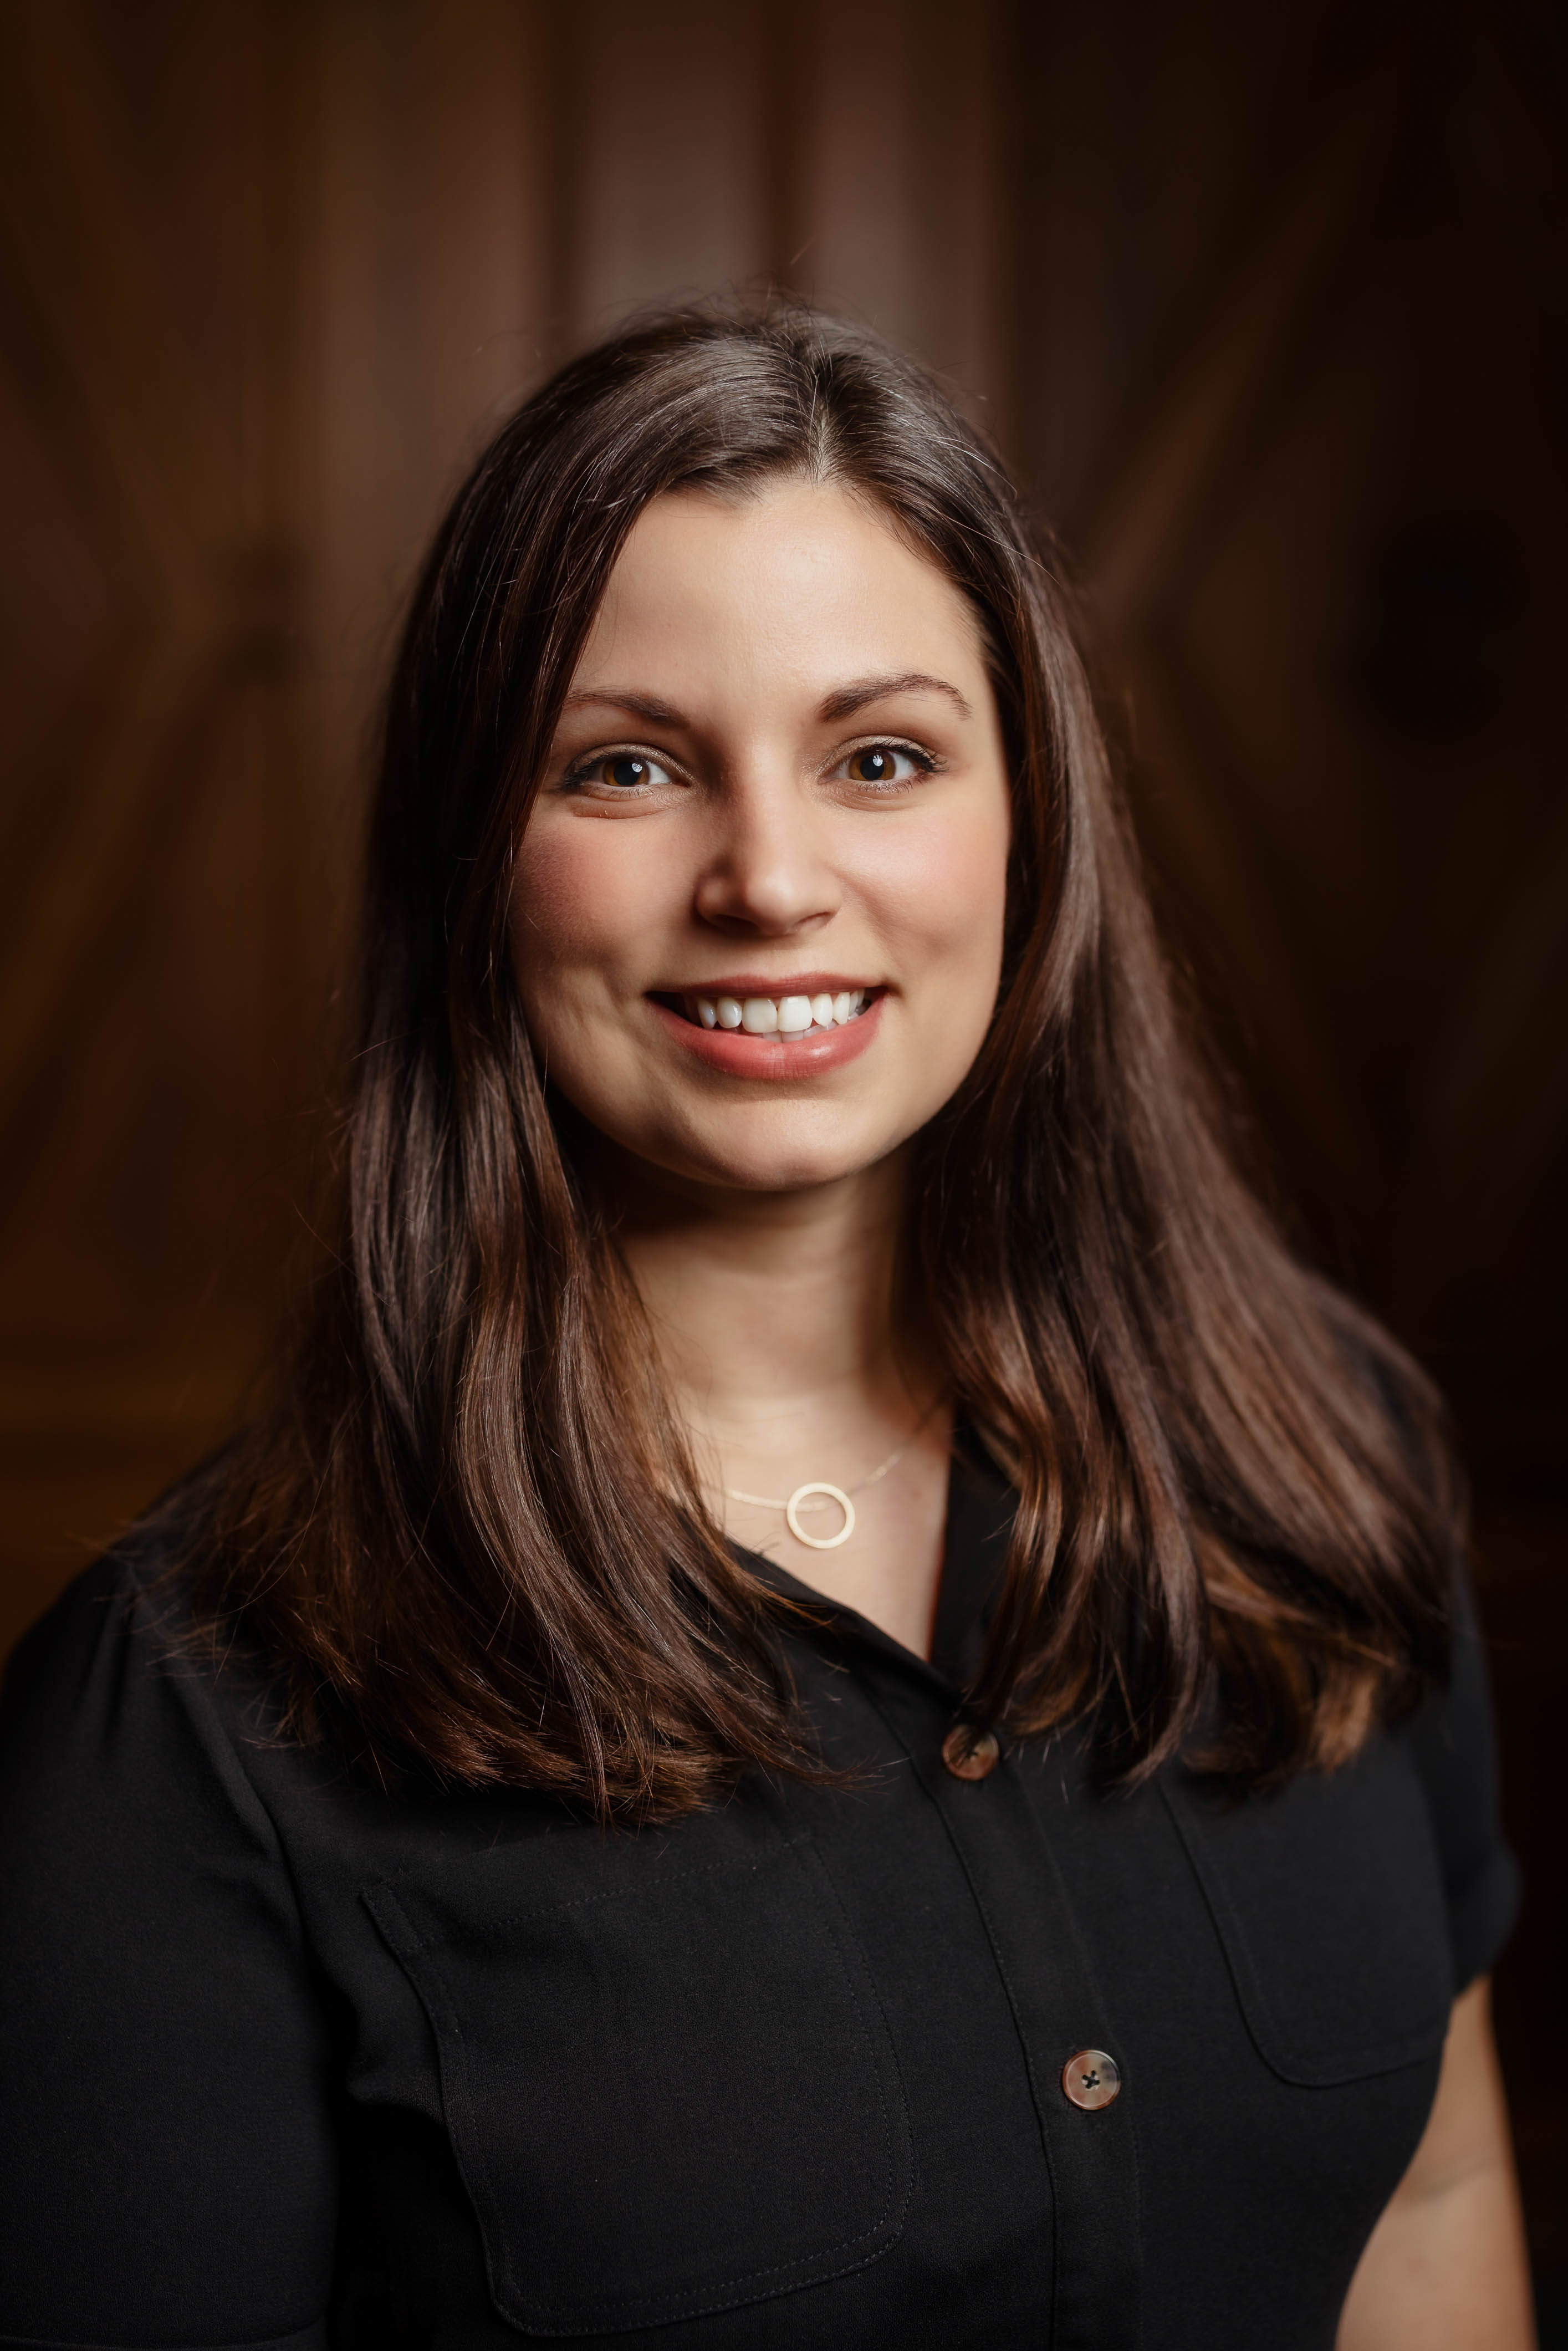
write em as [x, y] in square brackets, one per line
[1091, 2079]
[970, 1754]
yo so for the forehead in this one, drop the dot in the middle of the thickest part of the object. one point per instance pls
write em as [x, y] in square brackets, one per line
[798, 577]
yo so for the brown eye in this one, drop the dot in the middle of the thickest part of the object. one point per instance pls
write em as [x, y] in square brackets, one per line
[877, 764]
[619, 773]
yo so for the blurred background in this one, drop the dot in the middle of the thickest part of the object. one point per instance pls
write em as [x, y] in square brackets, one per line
[1268, 307]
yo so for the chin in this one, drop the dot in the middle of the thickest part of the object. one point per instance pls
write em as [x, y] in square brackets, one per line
[807, 1174]
[773, 1155]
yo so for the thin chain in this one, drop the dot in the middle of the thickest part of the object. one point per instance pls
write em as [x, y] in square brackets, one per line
[766, 1502]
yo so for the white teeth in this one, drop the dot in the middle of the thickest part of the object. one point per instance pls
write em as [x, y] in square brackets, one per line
[784, 1015]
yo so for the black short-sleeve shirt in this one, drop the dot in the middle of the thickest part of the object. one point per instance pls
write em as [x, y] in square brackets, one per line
[285, 2062]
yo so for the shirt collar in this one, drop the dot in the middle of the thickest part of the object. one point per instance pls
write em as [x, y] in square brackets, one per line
[980, 1511]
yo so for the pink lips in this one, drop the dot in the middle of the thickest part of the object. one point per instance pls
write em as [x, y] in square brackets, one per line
[740, 1055]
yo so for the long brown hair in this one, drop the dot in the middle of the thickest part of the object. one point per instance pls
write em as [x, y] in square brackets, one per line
[467, 1534]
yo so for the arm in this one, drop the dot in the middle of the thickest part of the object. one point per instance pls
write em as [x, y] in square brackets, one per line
[1445, 2270]
[167, 2166]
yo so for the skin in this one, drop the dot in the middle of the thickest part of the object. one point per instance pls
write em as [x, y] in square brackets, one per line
[1445, 2267]
[733, 638]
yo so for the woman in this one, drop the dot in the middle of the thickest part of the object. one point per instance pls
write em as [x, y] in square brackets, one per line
[834, 1705]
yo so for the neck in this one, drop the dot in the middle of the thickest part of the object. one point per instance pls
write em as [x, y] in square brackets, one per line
[767, 1308]
[791, 1354]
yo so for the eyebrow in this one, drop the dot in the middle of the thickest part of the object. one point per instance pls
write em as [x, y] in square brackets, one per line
[842, 703]
[639, 706]
[848, 699]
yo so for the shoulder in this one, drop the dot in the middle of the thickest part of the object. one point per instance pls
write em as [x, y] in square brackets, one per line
[101, 1627]
[96, 1612]
[1451, 1744]
[116, 1720]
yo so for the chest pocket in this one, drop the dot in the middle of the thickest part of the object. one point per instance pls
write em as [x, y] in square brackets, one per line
[664, 2070]
[1328, 1899]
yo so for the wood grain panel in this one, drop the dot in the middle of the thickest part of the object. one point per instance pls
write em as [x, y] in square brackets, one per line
[155, 972]
[1269, 307]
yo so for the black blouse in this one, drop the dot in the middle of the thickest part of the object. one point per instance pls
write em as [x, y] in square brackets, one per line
[287, 2063]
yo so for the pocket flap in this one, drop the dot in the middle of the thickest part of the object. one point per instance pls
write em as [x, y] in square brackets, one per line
[670, 2089]
[1328, 1899]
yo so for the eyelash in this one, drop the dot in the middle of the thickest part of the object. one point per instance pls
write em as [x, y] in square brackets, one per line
[927, 762]
[583, 771]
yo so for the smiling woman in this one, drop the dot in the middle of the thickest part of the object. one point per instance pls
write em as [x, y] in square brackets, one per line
[833, 1704]
[803, 782]
[819, 766]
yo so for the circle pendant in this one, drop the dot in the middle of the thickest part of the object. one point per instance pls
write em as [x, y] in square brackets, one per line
[820, 1542]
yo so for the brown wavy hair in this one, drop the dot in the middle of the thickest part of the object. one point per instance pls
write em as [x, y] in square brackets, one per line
[467, 1535]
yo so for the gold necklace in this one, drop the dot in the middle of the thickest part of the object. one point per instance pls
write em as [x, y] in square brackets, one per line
[790, 1504]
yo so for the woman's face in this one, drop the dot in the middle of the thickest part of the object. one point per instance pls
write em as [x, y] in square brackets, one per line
[758, 921]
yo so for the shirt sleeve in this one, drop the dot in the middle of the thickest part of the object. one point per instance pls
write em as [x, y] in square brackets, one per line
[167, 2169]
[1454, 1749]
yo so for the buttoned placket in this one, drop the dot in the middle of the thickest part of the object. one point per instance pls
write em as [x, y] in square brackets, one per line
[1061, 2015]
[1089, 2135]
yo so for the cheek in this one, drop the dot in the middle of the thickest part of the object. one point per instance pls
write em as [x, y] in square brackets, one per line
[945, 889]
[580, 898]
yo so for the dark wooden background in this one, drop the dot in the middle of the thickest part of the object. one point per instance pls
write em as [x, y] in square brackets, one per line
[1267, 306]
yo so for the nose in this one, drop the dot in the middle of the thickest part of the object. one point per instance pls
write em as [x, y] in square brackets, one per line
[765, 872]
